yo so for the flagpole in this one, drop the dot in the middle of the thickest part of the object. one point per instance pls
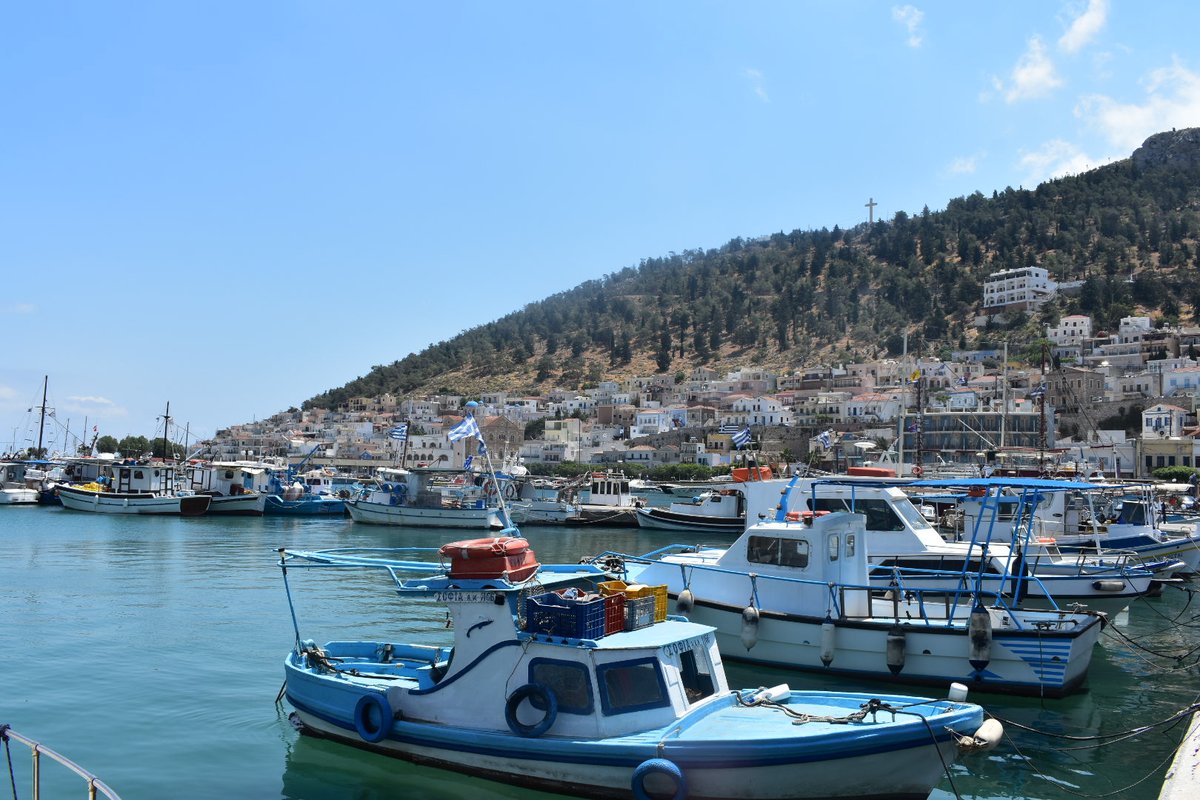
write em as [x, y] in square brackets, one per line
[505, 519]
[404, 447]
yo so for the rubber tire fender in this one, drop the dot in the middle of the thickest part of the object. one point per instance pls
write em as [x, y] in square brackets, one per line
[528, 692]
[664, 767]
[364, 723]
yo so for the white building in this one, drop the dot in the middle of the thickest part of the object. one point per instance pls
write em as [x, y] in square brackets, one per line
[1020, 289]
[1163, 420]
[1071, 330]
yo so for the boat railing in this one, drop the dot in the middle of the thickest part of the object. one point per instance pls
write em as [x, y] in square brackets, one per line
[955, 602]
[95, 787]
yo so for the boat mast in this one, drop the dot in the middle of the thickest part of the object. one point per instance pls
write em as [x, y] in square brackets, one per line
[42, 423]
[166, 423]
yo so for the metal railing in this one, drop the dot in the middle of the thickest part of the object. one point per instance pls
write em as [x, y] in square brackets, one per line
[94, 784]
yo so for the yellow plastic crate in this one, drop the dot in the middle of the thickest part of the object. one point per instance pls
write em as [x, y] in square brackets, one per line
[633, 591]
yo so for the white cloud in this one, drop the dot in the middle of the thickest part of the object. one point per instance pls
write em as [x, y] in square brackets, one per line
[756, 83]
[1085, 27]
[1034, 75]
[964, 165]
[911, 18]
[94, 405]
[1172, 101]
[1055, 159]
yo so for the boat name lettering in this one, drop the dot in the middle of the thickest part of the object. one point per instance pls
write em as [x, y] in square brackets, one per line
[687, 644]
[466, 597]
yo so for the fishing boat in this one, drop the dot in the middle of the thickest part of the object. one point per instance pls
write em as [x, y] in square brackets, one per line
[231, 486]
[904, 547]
[796, 591]
[14, 488]
[713, 511]
[1086, 522]
[549, 686]
[609, 499]
[545, 502]
[429, 497]
[134, 487]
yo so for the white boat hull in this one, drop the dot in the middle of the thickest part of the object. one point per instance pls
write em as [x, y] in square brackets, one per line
[898, 774]
[1049, 664]
[243, 505]
[18, 497]
[418, 517]
[122, 503]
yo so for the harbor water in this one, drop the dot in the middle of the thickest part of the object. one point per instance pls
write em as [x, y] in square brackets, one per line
[150, 651]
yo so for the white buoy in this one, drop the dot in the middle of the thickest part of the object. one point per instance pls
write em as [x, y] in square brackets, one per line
[828, 641]
[958, 692]
[987, 736]
[685, 602]
[979, 633]
[749, 627]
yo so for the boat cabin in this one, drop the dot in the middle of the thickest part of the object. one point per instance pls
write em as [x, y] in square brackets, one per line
[153, 477]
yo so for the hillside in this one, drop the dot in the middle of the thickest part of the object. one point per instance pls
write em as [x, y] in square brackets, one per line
[1129, 230]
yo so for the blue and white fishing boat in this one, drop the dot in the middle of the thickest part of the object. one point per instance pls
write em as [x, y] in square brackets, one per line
[903, 545]
[797, 592]
[569, 702]
[429, 497]
[1085, 522]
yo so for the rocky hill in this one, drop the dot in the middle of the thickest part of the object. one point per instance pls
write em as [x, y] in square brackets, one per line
[1128, 230]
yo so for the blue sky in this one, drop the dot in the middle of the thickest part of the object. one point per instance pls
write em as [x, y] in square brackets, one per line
[234, 206]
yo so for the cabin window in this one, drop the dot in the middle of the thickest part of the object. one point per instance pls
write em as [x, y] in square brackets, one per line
[773, 550]
[696, 673]
[834, 545]
[850, 537]
[568, 680]
[629, 686]
[228, 474]
[879, 513]
[138, 475]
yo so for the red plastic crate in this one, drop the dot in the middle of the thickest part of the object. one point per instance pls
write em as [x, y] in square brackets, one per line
[614, 613]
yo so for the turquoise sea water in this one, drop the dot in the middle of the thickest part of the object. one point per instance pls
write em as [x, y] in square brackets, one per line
[150, 651]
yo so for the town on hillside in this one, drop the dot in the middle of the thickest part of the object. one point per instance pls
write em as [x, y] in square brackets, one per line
[921, 415]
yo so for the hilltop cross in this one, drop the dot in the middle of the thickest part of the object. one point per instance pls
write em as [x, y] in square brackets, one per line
[870, 204]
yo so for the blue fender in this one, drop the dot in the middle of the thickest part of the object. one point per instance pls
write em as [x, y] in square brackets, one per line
[663, 767]
[373, 717]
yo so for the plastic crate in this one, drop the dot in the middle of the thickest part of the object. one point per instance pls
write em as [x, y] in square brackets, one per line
[614, 613]
[557, 616]
[633, 591]
[639, 612]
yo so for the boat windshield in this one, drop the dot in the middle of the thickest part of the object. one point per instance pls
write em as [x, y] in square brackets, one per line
[882, 515]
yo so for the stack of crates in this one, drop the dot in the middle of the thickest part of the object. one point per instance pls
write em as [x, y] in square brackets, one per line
[644, 605]
[581, 617]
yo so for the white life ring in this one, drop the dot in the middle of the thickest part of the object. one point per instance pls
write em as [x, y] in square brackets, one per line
[918, 471]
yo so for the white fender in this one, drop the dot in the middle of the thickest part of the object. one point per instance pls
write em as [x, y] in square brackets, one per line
[749, 627]
[895, 649]
[828, 641]
[985, 738]
[979, 634]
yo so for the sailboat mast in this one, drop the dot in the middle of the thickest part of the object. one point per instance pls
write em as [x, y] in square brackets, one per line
[42, 423]
[166, 423]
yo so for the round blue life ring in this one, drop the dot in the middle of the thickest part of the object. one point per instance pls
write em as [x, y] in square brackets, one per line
[373, 717]
[663, 767]
[532, 692]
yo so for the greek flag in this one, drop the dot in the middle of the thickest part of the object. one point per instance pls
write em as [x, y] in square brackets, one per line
[467, 463]
[399, 433]
[482, 447]
[742, 438]
[468, 427]
[728, 429]
[1039, 392]
[825, 439]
